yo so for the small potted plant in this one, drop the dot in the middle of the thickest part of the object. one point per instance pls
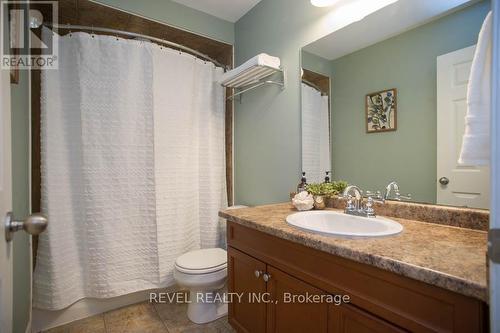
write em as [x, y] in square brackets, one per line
[324, 191]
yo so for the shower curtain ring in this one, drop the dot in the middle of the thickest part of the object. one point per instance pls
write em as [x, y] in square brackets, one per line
[69, 28]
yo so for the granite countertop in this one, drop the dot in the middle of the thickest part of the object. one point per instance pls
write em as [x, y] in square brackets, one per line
[445, 256]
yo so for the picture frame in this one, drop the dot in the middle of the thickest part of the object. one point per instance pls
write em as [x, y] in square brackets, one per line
[381, 111]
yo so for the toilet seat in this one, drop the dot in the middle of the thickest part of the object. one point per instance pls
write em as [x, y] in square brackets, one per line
[202, 261]
[203, 271]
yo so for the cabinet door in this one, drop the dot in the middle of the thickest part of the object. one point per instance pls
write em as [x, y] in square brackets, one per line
[346, 318]
[246, 315]
[285, 314]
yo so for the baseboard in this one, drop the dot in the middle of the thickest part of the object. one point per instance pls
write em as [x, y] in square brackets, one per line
[45, 319]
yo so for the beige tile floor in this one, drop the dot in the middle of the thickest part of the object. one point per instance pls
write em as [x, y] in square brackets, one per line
[143, 318]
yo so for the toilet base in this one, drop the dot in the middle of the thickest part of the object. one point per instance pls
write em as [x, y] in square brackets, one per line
[200, 312]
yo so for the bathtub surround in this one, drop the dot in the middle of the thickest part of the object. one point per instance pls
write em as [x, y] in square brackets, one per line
[177, 15]
[139, 176]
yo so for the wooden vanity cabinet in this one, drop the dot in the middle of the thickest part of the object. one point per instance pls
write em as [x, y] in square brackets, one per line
[246, 314]
[293, 316]
[381, 301]
[349, 319]
[272, 312]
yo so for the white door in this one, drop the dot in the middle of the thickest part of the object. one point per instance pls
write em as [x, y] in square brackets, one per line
[5, 203]
[457, 185]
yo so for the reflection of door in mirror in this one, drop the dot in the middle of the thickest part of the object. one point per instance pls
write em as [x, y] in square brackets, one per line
[315, 125]
[457, 185]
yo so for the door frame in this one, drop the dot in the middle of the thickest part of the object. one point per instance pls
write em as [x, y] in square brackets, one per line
[495, 166]
[6, 250]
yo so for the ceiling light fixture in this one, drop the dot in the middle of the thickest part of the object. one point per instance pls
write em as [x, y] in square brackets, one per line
[323, 3]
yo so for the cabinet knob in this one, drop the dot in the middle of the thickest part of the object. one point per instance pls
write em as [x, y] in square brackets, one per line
[258, 273]
[266, 277]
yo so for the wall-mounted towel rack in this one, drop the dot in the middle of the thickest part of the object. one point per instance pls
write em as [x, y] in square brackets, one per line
[254, 73]
[255, 83]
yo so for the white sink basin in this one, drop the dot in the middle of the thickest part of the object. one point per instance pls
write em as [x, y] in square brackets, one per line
[340, 224]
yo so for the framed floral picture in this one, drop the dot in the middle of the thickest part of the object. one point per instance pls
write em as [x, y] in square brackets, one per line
[381, 111]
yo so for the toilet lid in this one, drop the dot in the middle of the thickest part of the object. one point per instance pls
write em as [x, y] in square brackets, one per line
[202, 261]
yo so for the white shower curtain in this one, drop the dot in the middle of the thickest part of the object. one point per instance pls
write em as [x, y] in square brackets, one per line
[132, 167]
[189, 154]
[315, 134]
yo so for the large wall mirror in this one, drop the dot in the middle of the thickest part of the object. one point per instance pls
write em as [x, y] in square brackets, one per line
[384, 99]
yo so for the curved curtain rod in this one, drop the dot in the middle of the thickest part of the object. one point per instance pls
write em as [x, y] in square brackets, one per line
[133, 34]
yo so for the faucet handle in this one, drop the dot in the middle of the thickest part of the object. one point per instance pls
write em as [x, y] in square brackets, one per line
[406, 197]
[369, 211]
[374, 196]
[350, 203]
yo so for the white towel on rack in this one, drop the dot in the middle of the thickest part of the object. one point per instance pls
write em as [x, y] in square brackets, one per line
[476, 139]
[262, 59]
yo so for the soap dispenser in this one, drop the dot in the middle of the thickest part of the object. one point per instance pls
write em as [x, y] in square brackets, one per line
[303, 183]
[327, 177]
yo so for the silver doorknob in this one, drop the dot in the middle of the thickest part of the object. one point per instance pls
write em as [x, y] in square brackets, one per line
[266, 277]
[33, 225]
[444, 181]
[258, 273]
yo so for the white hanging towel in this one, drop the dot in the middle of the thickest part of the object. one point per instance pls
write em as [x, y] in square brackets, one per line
[476, 139]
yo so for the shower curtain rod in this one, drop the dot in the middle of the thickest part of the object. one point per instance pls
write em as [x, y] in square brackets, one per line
[133, 34]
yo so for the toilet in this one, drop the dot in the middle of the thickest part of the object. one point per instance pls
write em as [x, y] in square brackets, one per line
[203, 272]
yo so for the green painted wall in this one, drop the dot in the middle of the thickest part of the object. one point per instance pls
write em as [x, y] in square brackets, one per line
[177, 15]
[20, 200]
[316, 63]
[406, 62]
[267, 156]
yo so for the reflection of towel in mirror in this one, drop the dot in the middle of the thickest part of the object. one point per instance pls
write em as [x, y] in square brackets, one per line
[476, 140]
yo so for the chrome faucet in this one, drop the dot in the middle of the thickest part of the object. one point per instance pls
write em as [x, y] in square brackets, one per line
[394, 187]
[353, 202]
[355, 205]
[354, 197]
